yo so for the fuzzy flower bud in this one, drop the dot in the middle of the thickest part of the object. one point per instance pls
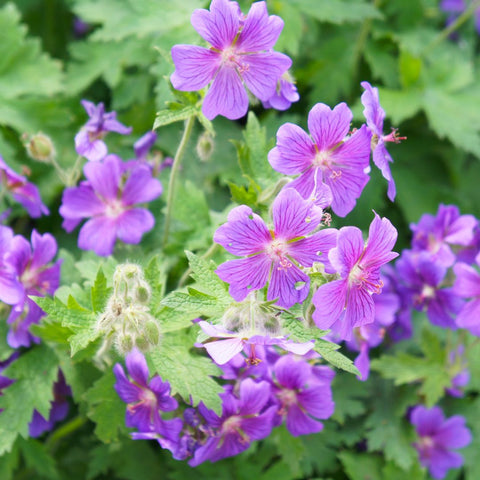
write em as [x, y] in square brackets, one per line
[205, 146]
[40, 147]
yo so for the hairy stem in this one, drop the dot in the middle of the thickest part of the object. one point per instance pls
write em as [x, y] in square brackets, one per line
[173, 174]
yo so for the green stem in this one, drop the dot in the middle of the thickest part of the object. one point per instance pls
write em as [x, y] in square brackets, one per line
[211, 250]
[173, 174]
[74, 174]
[460, 20]
[63, 431]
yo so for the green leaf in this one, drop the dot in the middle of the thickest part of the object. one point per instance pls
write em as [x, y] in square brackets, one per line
[165, 117]
[388, 431]
[290, 448]
[122, 18]
[410, 68]
[188, 373]
[34, 373]
[106, 408]
[203, 272]
[361, 466]
[73, 316]
[194, 302]
[24, 68]
[100, 292]
[171, 319]
[338, 11]
[9, 463]
[350, 397]
[37, 457]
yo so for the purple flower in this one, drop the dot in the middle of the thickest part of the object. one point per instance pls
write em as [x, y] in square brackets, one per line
[375, 116]
[436, 234]
[241, 53]
[423, 278]
[347, 303]
[285, 94]
[109, 196]
[143, 145]
[455, 7]
[302, 399]
[330, 161]
[10, 287]
[467, 285]
[437, 439]
[88, 142]
[146, 399]
[274, 256]
[222, 351]
[22, 191]
[458, 366]
[35, 276]
[243, 420]
[58, 411]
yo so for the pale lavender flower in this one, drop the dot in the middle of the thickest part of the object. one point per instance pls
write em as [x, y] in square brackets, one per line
[438, 437]
[232, 343]
[243, 420]
[285, 94]
[303, 400]
[437, 234]
[375, 115]
[23, 191]
[330, 160]
[143, 145]
[347, 303]
[146, 399]
[275, 256]
[36, 276]
[89, 141]
[110, 197]
[241, 53]
[467, 285]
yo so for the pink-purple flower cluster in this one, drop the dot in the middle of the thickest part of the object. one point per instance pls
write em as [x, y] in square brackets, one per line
[256, 398]
[26, 269]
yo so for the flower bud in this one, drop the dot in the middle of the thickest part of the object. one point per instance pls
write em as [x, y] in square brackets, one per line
[142, 293]
[40, 147]
[124, 344]
[205, 146]
[151, 332]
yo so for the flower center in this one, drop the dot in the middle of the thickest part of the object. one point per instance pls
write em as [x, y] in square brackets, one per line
[288, 398]
[360, 278]
[114, 208]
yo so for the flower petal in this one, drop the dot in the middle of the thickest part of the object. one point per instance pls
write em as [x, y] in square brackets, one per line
[329, 127]
[98, 234]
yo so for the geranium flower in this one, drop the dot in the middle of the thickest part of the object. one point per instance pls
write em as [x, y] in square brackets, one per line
[241, 53]
[274, 256]
[109, 196]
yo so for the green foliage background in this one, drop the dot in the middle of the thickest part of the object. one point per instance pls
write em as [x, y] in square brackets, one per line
[429, 87]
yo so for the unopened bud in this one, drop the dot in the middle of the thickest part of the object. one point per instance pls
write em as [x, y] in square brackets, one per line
[205, 146]
[142, 344]
[124, 344]
[142, 294]
[152, 335]
[40, 147]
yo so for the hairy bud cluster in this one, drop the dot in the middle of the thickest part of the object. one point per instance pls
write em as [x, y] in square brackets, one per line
[127, 320]
[252, 317]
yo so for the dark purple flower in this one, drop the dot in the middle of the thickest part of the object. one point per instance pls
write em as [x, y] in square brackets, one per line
[222, 351]
[243, 420]
[146, 399]
[285, 94]
[110, 196]
[329, 160]
[455, 8]
[436, 234]
[302, 399]
[241, 53]
[58, 411]
[423, 277]
[437, 439]
[22, 191]
[275, 256]
[347, 303]
[36, 276]
[375, 115]
[467, 285]
[143, 145]
[89, 140]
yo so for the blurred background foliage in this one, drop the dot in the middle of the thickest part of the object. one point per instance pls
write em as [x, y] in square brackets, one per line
[53, 53]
